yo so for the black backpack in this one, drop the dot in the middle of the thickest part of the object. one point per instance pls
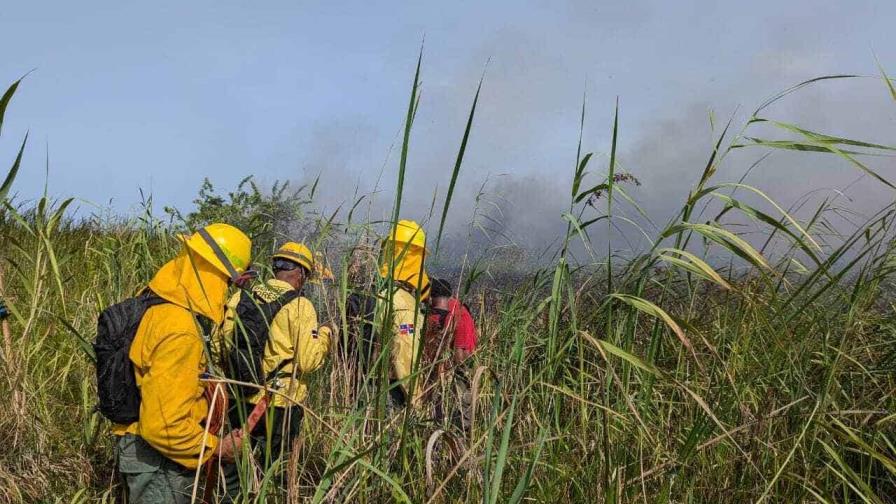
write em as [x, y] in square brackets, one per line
[250, 337]
[116, 385]
[361, 313]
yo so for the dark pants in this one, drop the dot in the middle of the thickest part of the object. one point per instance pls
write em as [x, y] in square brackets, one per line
[272, 439]
[397, 399]
[152, 478]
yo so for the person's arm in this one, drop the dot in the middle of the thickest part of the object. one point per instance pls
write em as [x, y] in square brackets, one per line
[461, 355]
[312, 342]
[229, 445]
[464, 333]
[172, 403]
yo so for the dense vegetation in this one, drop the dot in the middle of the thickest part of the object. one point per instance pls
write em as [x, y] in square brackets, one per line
[668, 377]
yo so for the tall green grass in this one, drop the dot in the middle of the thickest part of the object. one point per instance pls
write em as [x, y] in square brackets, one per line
[668, 377]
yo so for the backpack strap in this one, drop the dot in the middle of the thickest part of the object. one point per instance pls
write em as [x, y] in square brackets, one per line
[277, 372]
[270, 310]
[150, 298]
[401, 284]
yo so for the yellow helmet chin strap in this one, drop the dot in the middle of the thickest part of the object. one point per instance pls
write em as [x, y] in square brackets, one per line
[234, 275]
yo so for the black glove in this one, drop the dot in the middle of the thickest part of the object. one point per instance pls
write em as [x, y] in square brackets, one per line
[4, 311]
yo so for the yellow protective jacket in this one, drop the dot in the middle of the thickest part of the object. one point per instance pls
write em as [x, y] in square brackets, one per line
[406, 327]
[168, 357]
[294, 335]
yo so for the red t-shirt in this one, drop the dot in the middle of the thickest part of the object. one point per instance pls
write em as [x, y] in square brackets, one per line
[455, 318]
[464, 326]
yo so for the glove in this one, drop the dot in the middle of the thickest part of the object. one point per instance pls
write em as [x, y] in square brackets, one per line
[4, 311]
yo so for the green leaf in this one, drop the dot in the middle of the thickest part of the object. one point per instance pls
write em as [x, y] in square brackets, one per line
[848, 475]
[580, 174]
[645, 306]
[846, 434]
[692, 263]
[797, 146]
[458, 162]
[57, 216]
[577, 175]
[580, 229]
[723, 237]
[612, 349]
[7, 96]
[502, 454]
[397, 493]
[408, 124]
[523, 484]
[826, 143]
[887, 80]
[801, 85]
[821, 138]
[11, 176]
[83, 342]
[768, 219]
[588, 192]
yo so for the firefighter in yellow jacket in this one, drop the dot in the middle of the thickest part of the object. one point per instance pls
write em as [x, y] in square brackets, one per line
[296, 346]
[402, 262]
[160, 452]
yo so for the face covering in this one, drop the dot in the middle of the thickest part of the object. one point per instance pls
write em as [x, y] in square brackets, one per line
[408, 266]
[193, 283]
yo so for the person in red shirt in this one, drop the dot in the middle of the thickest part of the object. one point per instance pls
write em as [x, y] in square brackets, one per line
[450, 326]
[454, 318]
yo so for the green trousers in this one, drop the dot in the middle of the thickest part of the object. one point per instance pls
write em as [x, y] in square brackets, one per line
[152, 478]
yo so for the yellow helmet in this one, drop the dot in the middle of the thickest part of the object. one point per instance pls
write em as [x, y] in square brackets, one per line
[408, 232]
[225, 247]
[297, 253]
[301, 255]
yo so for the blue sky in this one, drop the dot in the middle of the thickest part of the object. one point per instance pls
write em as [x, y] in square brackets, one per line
[158, 95]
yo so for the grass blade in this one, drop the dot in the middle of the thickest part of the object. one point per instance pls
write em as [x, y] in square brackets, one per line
[458, 162]
[11, 175]
[7, 96]
[646, 307]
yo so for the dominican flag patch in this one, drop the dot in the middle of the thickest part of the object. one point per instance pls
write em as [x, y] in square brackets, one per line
[406, 329]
